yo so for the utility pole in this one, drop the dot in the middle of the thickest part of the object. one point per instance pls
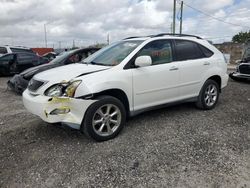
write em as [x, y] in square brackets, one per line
[45, 35]
[181, 17]
[174, 14]
[108, 38]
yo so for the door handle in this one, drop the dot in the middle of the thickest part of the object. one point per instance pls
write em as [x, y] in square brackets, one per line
[206, 63]
[174, 68]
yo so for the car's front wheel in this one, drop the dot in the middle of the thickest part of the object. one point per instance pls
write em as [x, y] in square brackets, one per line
[208, 96]
[104, 119]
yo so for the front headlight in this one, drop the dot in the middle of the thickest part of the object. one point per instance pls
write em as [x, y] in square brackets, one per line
[63, 89]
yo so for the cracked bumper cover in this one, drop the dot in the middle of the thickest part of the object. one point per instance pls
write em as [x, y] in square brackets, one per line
[42, 106]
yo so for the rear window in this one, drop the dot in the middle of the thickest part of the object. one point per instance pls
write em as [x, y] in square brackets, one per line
[3, 50]
[21, 50]
[186, 50]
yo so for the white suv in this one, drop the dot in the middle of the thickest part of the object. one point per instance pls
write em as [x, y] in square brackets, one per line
[13, 49]
[126, 78]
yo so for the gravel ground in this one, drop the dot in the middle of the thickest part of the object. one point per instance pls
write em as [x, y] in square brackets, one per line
[178, 146]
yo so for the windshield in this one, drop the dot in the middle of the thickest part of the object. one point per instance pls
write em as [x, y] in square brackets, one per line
[113, 54]
[60, 58]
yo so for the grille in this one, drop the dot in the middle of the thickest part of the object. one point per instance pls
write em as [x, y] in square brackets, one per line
[244, 69]
[34, 85]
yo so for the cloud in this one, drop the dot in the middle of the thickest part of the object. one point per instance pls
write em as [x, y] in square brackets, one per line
[87, 22]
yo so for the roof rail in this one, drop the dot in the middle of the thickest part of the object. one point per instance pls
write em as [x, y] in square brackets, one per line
[178, 35]
[138, 37]
[132, 37]
[163, 34]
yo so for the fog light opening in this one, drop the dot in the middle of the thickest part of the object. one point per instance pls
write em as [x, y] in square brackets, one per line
[58, 111]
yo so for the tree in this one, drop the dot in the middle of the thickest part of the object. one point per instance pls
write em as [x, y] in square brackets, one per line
[241, 37]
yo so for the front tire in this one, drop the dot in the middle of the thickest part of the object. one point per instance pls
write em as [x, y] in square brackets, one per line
[208, 96]
[104, 119]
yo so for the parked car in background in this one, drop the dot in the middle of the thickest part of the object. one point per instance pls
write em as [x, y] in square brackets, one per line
[20, 81]
[13, 63]
[50, 56]
[126, 78]
[13, 49]
[242, 72]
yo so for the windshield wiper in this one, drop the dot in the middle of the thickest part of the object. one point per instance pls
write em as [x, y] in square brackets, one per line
[94, 63]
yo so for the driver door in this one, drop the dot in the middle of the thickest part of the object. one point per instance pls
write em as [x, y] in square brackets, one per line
[159, 83]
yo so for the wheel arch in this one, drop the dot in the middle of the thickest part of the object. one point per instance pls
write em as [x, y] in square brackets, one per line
[117, 93]
[217, 79]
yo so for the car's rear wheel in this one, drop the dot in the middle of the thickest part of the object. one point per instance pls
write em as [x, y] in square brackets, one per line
[208, 96]
[104, 119]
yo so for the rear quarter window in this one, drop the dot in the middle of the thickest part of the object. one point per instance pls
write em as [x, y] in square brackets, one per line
[206, 51]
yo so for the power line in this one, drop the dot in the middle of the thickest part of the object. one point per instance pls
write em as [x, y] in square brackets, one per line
[215, 18]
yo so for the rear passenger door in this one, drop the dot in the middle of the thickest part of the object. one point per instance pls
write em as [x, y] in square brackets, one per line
[193, 61]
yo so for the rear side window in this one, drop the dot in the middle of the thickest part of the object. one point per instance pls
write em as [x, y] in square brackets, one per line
[3, 50]
[160, 51]
[186, 50]
[21, 50]
[26, 58]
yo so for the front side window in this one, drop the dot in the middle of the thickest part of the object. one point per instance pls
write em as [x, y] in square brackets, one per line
[187, 50]
[160, 51]
[113, 54]
[7, 57]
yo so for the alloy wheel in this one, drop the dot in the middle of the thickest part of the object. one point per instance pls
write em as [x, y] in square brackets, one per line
[106, 120]
[211, 94]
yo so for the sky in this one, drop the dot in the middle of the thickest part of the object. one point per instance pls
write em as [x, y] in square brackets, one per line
[91, 21]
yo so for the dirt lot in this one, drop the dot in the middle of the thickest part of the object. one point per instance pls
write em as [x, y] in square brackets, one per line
[178, 146]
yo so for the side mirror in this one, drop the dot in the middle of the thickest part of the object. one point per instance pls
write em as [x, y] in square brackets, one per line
[143, 61]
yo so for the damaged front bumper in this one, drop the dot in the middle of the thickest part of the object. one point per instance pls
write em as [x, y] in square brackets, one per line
[65, 110]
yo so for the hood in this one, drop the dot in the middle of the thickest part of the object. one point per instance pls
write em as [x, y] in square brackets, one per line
[68, 72]
[29, 73]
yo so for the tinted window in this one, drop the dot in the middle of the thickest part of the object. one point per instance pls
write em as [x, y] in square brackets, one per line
[3, 50]
[206, 52]
[25, 58]
[187, 50]
[160, 51]
[7, 57]
[21, 50]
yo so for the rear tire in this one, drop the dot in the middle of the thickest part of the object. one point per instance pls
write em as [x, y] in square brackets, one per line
[208, 96]
[104, 119]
